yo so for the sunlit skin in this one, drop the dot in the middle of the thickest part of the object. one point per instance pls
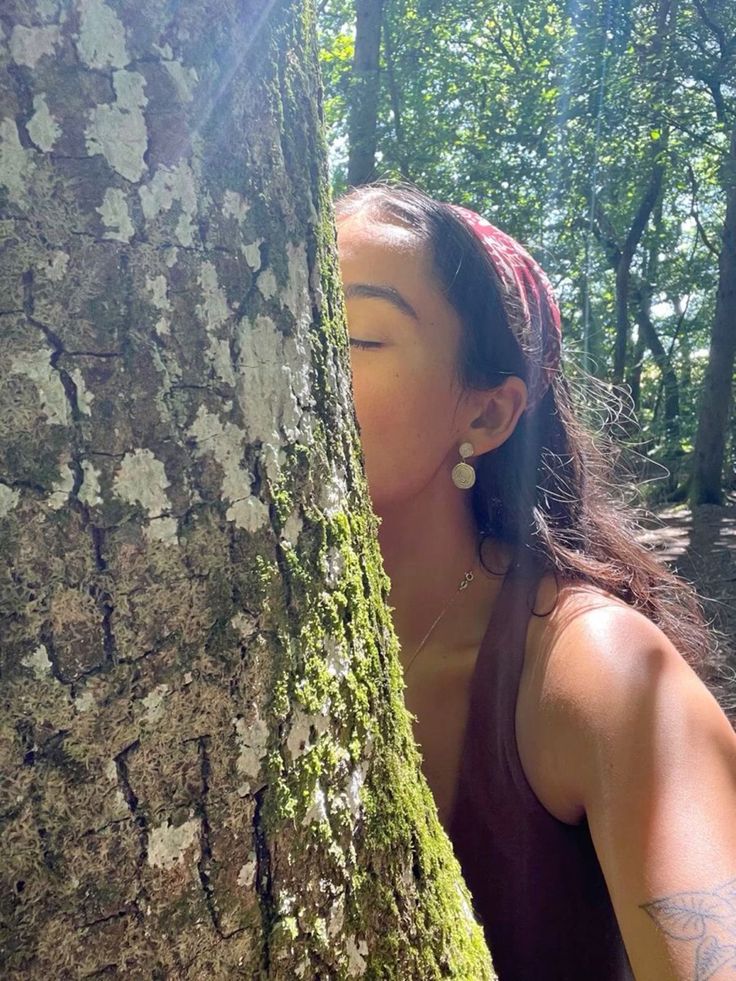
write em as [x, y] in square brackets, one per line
[413, 416]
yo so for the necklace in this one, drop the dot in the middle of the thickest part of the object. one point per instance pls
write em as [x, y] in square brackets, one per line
[464, 583]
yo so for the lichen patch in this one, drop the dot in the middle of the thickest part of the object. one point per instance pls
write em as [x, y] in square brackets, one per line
[252, 253]
[163, 530]
[153, 703]
[213, 309]
[84, 396]
[61, 489]
[36, 366]
[296, 296]
[247, 873]
[142, 479]
[118, 130]
[225, 442]
[85, 702]
[90, 493]
[168, 844]
[8, 499]
[42, 127]
[56, 265]
[251, 740]
[101, 39]
[270, 406]
[29, 44]
[38, 661]
[333, 493]
[184, 79]
[167, 186]
[299, 739]
[115, 216]
[267, 284]
[16, 163]
[317, 810]
[333, 565]
[158, 290]
[336, 658]
[357, 953]
[292, 528]
[234, 205]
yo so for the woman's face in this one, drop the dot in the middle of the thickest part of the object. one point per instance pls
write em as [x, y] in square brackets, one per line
[404, 339]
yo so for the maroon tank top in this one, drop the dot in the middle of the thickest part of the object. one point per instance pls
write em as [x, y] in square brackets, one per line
[536, 883]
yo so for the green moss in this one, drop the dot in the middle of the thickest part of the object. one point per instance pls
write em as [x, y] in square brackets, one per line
[284, 930]
[280, 703]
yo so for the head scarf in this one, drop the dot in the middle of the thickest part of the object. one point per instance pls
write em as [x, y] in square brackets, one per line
[528, 300]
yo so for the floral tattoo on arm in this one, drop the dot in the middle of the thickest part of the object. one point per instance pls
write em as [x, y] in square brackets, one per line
[706, 921]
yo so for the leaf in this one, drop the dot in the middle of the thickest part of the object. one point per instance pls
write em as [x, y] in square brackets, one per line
[685, 915]
[710, 957]
[728, 892]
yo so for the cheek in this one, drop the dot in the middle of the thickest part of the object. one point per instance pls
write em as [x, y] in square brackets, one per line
[401, 413]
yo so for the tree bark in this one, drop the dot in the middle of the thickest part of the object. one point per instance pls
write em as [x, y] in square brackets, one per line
[207, 768]
[623, 268]
[395, 97]
[706, 485]
[365, 86]
[651, 339]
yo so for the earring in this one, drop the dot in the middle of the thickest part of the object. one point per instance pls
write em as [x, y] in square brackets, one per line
[463, 475]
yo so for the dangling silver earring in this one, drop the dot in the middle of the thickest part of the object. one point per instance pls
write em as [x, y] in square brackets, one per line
[463, 475]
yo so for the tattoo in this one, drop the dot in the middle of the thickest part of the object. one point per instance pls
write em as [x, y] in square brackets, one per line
[707, 922]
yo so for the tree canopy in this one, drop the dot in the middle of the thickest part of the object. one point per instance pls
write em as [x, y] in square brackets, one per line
[599, 134]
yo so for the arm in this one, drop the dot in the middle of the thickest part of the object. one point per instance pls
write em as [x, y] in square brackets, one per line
[653, 764]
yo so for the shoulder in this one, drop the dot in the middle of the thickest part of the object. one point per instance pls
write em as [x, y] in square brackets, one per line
[599, 680]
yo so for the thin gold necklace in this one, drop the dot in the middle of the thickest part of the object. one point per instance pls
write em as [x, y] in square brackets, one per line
[464, 583]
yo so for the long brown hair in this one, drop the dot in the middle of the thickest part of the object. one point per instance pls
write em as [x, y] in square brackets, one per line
[547, 492]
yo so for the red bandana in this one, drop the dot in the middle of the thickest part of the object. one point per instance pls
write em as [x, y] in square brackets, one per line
[530, 304]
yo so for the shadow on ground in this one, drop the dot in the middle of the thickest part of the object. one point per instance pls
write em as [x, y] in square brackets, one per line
[701, 546]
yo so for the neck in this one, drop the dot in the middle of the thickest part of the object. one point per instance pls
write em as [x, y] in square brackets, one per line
[428, 544]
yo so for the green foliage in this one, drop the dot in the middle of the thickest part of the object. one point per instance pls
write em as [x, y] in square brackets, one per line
[549, 118]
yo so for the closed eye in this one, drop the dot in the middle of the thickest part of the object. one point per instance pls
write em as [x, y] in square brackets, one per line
[364, 344]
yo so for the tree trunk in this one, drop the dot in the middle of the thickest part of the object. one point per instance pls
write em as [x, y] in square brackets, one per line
[207, 768]
[633, 378]
[365, 84]
[650, 337]
[662, 64]
[395, 97]
[706, 486]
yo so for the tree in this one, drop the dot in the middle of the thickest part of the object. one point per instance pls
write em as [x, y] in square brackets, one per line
[715, 66]
[364, 91]
[207, 768]
[717, 394]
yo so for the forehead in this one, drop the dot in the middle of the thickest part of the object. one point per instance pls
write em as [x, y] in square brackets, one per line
[364, 234]
[375, 250]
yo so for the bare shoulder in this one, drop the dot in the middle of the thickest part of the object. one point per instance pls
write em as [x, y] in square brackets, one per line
[591, 665]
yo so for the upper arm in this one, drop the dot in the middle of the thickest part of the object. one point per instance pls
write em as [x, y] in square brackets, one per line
[653, 762]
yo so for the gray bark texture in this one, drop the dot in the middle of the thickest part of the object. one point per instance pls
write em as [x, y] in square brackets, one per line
[206, 767]
[717, 396]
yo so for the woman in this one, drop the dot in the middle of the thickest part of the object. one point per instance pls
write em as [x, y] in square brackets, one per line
[583, 771]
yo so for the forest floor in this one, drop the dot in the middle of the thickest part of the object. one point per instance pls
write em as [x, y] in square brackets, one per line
[700, 545]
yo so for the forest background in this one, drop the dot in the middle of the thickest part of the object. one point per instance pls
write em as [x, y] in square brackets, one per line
[602, 134]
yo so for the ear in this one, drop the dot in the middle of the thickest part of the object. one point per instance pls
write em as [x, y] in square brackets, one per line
[494, 414]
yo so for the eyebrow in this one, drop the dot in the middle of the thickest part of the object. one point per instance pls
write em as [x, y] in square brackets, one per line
[381, 292]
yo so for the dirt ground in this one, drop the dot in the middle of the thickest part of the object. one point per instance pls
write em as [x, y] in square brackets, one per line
[701, 546]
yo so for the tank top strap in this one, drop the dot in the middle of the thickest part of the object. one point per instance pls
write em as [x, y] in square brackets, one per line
[490, 732]
[502, 647]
